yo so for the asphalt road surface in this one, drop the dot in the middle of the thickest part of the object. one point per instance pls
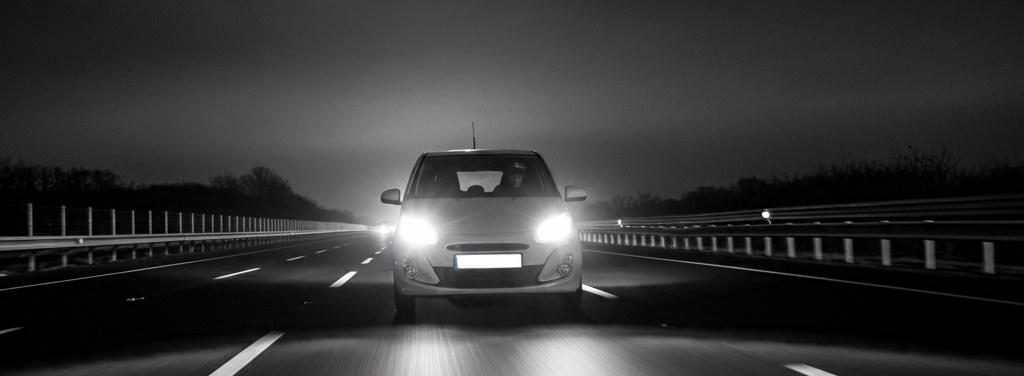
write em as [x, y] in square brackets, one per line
[320, 307]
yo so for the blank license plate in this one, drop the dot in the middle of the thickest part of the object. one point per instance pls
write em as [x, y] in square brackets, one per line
[510, 260]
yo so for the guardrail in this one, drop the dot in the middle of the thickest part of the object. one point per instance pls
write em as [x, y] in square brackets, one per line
[79, 236]
[953, 234]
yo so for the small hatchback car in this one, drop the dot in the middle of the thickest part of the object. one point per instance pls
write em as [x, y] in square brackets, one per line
[484, 222]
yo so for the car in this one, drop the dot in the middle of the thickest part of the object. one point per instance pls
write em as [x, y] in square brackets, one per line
[484, 222]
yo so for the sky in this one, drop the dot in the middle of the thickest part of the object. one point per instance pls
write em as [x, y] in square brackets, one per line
[620, 97]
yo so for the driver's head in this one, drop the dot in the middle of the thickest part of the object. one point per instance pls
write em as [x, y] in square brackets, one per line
[517, 170]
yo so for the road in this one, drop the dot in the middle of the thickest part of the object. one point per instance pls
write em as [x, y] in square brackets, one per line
[324, 306]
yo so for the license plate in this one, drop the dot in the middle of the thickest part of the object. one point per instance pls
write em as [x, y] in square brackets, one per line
[507, 260]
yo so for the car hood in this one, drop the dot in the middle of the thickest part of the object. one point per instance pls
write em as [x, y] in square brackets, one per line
[484, 215]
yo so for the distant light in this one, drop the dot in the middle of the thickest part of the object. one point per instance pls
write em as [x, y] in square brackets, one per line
[766, 214]
[619, 222]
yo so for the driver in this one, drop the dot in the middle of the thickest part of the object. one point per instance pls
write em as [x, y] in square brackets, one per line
[512, 179]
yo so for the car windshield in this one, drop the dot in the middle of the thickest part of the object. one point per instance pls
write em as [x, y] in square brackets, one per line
[482, 175]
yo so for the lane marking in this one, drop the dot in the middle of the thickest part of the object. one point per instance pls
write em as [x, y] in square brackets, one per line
[337, 246]
[295, 258]
[367, 261]
[8, 330]
[346, 244]
[377, 253]
[946, 294]
[344, 279]
[599, 292]
[235, 364]
[808, 370]
[234, 274]
[149, 268]
[321, 251]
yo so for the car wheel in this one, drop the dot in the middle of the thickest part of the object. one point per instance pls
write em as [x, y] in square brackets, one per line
[573, 300]
[404, 302]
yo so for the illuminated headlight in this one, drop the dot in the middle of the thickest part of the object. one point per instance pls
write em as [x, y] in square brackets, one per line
[555, 228]
[416, 231]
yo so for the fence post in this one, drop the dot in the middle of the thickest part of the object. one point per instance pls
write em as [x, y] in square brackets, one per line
[714, 244]
[202, 219]
[88, 212]
[686, 244]
[113, 222]
[768, 246]
[133, 222]
[150, 221]
[166, 220]
[929, 254]
[63, 221]
[29, 208]
[675, 242]
[989, 257]
[791, 247]
[192, 223]
[180, 229]
[750, 248]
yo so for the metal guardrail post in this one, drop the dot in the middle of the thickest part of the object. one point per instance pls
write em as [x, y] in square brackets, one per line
[133, 222]
[166, 222]
[768, 246]
[929, 254]
[714, 244]
[848, 250]
[88, 212]
[791, 247]
[29, 208]
[750, 248]
[180, 227]
[817, 249]
[192, 223]
[886, 246]
[113, 222]
[700, 243]
[988, 251]
[150, 222]
[63, 221]
[728, 242]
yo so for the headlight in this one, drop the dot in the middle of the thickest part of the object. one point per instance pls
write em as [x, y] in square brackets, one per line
[555, 228]
[416, 231]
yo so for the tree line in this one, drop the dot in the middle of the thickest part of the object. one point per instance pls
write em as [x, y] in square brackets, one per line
[260, 192]
[909, 173]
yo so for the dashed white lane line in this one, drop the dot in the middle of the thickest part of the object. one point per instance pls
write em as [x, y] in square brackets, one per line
[295, 258]
[322, 250]
[599, 292]
[820, 278]
[808, 370]
[377, 253]
[8, 330]
[367, 261]
[337, 246]
[235, 364]
[344, 279]
[234, 274]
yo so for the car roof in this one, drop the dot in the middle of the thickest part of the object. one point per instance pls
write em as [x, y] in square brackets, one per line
[478, 151]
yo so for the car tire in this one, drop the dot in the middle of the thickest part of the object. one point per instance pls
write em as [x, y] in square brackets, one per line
[573, 300]
[404, 302]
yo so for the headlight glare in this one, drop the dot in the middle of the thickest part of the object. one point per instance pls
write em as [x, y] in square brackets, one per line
[555, 228]
[416, 230]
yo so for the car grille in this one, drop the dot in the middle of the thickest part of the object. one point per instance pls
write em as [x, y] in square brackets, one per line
[488, 278]
[487, 247]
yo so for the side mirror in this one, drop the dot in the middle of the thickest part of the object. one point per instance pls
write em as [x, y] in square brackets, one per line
[392, 196]
[574, 193]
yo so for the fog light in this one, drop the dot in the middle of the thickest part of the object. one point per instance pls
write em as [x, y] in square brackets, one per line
[411, 272]
[564, 269]
[405, 262]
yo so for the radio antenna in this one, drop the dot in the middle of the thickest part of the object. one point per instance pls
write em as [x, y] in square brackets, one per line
[474, 134]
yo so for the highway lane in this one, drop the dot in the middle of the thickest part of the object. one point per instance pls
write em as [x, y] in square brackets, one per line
[661, 317]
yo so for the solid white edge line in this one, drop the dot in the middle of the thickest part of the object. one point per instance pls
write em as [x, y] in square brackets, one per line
[599, 292]
[821, 279]
[144, 269]
[367, 261]
[235, 364]
[344, 279]
[808, 370]
[8, 330]
[234, 274]
[295, 258]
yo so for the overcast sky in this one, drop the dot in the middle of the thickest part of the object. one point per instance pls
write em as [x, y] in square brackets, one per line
[341, 97]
